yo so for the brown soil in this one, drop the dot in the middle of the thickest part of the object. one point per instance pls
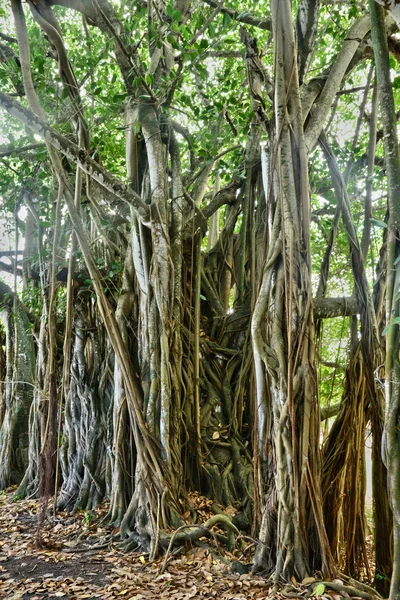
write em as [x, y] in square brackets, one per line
[69, 563]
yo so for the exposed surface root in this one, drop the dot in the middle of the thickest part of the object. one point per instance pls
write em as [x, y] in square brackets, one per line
[348, 589]
[198, 531]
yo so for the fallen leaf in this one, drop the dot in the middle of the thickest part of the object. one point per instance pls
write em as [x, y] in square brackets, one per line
[318, 590]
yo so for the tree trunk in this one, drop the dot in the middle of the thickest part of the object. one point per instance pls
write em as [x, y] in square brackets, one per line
[287, 344]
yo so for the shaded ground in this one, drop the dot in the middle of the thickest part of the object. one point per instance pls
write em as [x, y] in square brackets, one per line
[76, 558]
[69, 566]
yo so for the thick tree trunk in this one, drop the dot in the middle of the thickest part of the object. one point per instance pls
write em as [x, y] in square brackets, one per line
[391, 442]
[18, 389]
[287, 351]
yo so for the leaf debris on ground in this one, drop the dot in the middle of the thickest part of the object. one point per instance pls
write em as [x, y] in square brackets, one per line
[76, 560]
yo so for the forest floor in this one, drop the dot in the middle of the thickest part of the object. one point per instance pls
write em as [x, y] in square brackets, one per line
[72, 557]
[68, 563]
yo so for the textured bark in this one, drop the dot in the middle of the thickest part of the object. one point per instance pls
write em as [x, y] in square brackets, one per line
[322, 107]
[18, 388]
[180, 368]
[390, 445]
[287, 348]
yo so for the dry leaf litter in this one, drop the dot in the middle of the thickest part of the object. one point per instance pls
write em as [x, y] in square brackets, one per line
[75, 559]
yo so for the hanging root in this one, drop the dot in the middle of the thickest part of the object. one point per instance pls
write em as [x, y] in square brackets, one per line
[198, 531]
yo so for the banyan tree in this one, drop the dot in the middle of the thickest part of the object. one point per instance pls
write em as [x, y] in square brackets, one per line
[200, 289]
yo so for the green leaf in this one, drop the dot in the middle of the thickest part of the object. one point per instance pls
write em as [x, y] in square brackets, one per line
[136, 127]
[119, 97]
[200, 21]
[319, 590]
[185, 33]
[394, 321]
[176, 15]
[40, 65]
[353, 12]
[203, 297]
[226, 21]
[212, 29]
[172, 41]
[149, 79]
[378, 223]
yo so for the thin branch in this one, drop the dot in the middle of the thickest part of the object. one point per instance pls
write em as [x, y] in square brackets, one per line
[360, 88]
[79, 157]
[225, 196]
[218, 8]
[242, 17]
[213, 160]
[9, 268]
[9, 150]
[224, 54]
[8, 38]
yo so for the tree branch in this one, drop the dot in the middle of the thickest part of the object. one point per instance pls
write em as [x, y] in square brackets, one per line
[320, 111]
[224, 196]
[306, 29]
[7, 299]
[329, 411]
[8, 38]
[79, 157]
[242, 17]
[101, 14]
[9, 150]
[328, 308]
[9, 268]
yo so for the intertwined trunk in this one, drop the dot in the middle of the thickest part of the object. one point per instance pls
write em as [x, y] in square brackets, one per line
[283, 337]
[18, 388]
[182, 353]
[391, 443]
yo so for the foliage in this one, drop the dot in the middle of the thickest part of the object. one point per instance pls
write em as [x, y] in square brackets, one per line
[173, 241]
